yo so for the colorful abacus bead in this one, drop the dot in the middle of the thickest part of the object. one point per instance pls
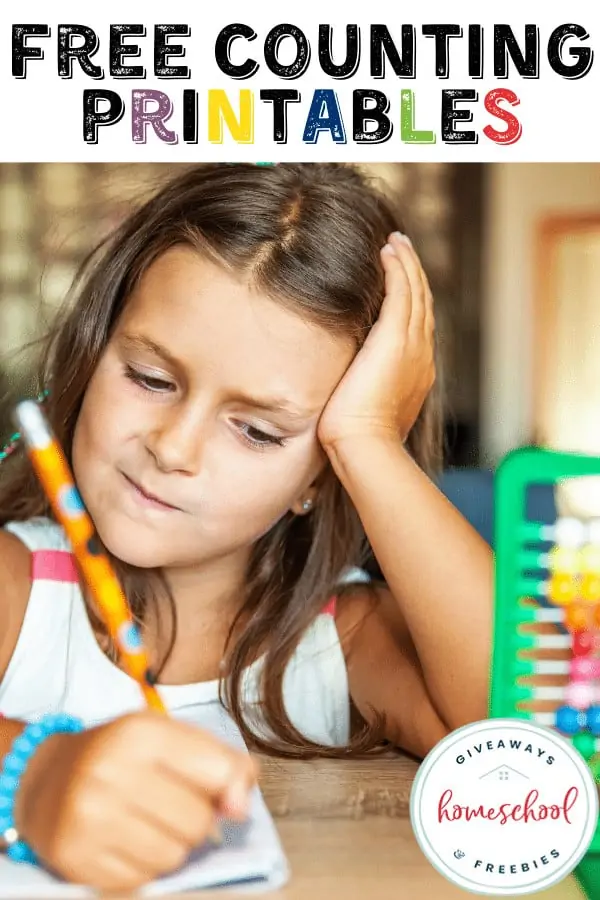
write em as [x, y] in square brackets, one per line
[564, 560]
[593, 720]
[590, 587]
[569, 532]
[580, 694]
[590, 559]
[584, 668]
[583, 642]
[563, 589]
[586, 744]
[569, 721]
[577, 617]
[590, 568]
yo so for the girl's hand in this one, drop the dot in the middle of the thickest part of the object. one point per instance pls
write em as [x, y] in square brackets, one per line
[119, 805]
[385, 387]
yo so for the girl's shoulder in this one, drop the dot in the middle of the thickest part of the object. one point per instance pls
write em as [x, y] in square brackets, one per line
[15, 578]
[37, 534]
[35, 548]
[14, 564]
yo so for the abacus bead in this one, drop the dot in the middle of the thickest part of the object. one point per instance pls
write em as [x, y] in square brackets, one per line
[563, 560]
[590, 559]
[593, 720]
[576, 617]
[580, 694]
[569, 720]
[584, 668]
[586, 744]
[583, 643]
[562, 589]
[569, 532]
[590, 588]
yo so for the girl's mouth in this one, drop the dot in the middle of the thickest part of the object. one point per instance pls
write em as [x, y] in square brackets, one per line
[147, 499]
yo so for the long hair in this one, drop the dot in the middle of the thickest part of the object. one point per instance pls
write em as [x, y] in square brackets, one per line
[308, 236]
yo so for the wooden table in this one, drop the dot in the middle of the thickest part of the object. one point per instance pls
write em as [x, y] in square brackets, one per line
[346, 831]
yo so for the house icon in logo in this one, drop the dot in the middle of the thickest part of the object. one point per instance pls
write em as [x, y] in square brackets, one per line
[504, 773]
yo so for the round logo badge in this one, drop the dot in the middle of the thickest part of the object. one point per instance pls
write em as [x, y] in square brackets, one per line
[504, 807]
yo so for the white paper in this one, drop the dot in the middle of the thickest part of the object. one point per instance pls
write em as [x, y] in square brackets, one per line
[250, 857]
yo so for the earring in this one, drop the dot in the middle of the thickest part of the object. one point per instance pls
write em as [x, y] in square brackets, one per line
[307, 505]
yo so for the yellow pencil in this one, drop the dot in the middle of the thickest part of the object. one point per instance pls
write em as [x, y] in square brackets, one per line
[57, 480]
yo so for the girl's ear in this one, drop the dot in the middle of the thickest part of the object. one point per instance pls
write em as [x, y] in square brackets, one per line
[305, 504]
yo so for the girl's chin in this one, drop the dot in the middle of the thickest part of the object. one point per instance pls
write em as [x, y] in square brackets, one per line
[134, 545]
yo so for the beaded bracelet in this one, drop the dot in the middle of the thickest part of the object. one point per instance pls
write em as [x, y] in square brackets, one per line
[14, 765]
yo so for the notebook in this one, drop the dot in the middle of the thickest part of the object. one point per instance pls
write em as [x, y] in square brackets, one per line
[249, 859]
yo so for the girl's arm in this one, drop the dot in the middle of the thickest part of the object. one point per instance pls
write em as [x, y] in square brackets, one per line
[15, 587]
[15, 563]
[421, 651]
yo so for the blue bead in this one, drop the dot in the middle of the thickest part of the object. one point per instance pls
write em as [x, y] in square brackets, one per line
[22, 746]
[14, 765]
[20, 852]
[568, 720]
[48, 723]
[67, 724]
[36, 733]
[6, 804]
[9, 783]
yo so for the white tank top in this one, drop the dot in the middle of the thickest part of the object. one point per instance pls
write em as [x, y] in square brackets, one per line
[58, 665]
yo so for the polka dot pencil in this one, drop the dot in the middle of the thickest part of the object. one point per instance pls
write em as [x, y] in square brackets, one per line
[57, 480]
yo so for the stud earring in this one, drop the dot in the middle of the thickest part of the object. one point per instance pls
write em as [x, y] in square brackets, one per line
[307, 505]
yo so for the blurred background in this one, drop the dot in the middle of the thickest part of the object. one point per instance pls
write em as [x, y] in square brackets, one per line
[512, 253]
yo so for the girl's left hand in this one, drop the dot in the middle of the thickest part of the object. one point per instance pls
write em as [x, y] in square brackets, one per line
[385, 387]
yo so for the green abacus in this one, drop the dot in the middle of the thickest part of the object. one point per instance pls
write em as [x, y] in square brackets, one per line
[523, 597]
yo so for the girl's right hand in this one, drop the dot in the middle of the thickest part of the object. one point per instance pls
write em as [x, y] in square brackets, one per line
[119, 805]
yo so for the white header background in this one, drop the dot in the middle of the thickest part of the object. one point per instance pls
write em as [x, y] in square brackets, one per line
[43, 113]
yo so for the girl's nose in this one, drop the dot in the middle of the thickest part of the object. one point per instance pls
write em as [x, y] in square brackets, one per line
[177, 445]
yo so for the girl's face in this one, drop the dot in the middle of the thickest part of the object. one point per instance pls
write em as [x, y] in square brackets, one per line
[198, 430]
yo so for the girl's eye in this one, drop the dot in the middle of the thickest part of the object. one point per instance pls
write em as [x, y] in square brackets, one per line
[257, 438]
[148, 382]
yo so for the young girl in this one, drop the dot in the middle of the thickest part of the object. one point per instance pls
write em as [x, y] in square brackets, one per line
[244, 386]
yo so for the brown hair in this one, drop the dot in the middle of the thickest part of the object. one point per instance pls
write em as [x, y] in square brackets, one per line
[308, 235]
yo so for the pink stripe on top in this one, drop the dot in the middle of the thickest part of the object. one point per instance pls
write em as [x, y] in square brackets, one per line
[59, 565]
[329, 610]
[53, 565]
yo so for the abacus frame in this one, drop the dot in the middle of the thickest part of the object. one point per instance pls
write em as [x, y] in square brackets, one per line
[519, 469]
